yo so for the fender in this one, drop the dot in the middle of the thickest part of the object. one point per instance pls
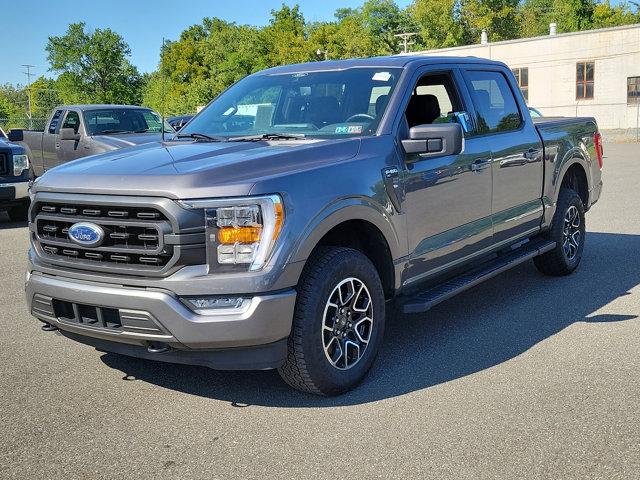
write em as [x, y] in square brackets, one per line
[351, 208]
[573, 156]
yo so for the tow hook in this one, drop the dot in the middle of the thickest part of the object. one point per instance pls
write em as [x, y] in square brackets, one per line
[154, 347]
[47, 327]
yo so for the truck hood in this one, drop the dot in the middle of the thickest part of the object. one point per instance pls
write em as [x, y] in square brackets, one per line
[123, 140]
[192, 169]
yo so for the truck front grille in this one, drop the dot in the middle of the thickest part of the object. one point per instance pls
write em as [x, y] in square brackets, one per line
[4, 164]
[138, 240]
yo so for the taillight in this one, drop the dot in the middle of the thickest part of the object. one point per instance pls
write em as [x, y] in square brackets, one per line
[597, 141]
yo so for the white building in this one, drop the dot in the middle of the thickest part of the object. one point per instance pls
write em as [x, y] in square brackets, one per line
[592, 73]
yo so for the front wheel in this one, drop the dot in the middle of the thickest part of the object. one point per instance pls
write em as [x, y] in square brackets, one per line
[568, 231]
[338, 323]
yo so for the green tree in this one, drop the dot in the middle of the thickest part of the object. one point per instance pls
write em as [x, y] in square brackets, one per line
[439, 22]
[606, 15]
[283, 41]
[498, 17]
[94, 65]
[44, 97]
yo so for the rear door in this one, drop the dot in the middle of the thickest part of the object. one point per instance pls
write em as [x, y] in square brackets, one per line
[516, 150]
[50, 141]
[447, 199]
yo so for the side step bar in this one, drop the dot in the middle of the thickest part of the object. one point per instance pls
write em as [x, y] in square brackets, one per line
[423, 301]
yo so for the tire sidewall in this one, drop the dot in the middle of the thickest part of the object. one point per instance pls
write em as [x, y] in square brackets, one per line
[568, 199]
[327, 378]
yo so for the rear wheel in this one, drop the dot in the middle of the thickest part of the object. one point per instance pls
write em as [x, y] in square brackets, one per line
[568, 231]
[338, 323]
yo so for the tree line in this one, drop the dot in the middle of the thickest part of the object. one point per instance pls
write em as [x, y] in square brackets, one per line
[95, 67]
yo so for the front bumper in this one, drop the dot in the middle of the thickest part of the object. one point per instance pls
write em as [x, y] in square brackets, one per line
[151, 317]
[14, 192]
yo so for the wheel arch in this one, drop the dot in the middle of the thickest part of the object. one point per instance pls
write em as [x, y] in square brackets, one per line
[364, 228]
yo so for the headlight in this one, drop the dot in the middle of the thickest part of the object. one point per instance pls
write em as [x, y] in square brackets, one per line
[241, 231]
[20, 164]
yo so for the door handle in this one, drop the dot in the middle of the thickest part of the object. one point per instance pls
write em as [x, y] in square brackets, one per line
[531, 154]
[480, 165]
[57, 145]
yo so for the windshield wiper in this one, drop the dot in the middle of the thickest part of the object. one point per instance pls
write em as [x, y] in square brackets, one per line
[200, 136]
[107, 132]
[268, 136]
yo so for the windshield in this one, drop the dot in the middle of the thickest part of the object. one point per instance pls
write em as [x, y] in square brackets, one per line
[123, 120]
[328, 104]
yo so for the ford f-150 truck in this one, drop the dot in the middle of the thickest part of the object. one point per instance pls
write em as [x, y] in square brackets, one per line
[14, 179]
[77, 131]
[281, 223]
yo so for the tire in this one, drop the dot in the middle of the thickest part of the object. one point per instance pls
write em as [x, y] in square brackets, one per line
[328, 321]
[19, 213]
[568, 231]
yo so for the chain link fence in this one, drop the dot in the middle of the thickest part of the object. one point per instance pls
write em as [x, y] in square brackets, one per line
[27, 123]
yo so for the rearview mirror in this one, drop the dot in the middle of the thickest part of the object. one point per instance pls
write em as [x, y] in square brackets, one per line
[16, 135]
[434, 140]
[69, 134]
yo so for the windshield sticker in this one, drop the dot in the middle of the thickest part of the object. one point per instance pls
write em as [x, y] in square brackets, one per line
[350, 129]
[381, 76]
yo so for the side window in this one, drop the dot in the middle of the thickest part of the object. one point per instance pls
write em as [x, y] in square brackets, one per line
[72, 120]
[53, 125]
[496, 107]
[153, 121]
[434, 100]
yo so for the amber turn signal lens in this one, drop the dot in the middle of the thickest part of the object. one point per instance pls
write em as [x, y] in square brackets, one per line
[231, 235]
[279, 211]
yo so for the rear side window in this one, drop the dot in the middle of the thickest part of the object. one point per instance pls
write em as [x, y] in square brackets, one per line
[53, 125]
[496, 107]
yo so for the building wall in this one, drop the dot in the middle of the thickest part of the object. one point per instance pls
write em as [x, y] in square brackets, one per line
[551, 61]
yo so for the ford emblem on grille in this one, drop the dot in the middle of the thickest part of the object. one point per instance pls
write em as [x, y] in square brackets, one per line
[86, 234]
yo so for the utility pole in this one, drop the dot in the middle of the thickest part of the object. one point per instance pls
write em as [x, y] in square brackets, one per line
[28, 74]
[405, 40]
[164, 95]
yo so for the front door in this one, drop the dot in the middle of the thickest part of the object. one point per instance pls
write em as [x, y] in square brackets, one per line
[447, 199]
[68, 150]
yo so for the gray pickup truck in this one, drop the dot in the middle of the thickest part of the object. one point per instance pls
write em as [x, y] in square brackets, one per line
[77, 131]
[284, 220]
[14, 179]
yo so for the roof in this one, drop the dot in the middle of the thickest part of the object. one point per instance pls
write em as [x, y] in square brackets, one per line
[101, 106]
[395, 61]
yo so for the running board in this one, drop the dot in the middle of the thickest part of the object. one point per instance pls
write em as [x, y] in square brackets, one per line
[423, 301]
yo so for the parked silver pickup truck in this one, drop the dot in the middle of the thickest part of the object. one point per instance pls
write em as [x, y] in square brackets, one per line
[77, 131]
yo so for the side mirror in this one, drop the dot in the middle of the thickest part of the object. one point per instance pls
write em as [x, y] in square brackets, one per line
[434, 140]
[16, 135]
[69, 134]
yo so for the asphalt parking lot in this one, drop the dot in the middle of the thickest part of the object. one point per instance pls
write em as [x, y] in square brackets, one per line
[522, 377]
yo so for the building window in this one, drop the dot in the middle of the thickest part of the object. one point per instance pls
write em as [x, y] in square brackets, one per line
[522, 77]
[633, 90]
[584, 80]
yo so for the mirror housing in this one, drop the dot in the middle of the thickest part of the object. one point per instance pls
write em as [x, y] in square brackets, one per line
[16, 135]
[69, 134]
[434, 140]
